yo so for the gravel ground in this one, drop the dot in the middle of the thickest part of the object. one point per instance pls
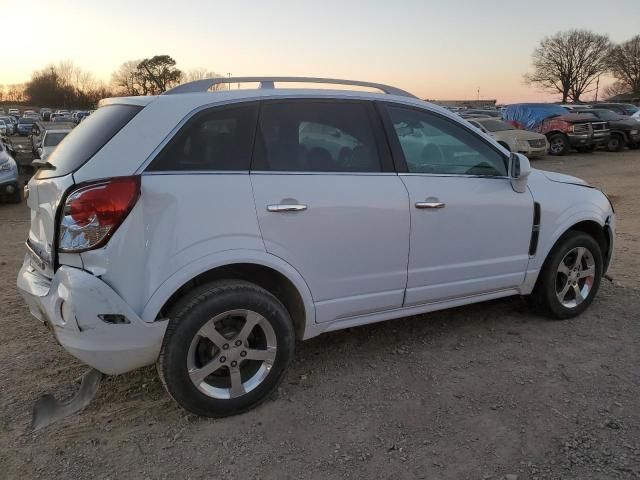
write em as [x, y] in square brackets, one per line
[489, 391]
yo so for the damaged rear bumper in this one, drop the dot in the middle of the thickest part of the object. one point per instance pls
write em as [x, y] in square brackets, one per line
[80, 309]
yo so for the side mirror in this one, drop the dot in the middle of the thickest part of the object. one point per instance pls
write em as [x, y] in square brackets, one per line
[519, 171]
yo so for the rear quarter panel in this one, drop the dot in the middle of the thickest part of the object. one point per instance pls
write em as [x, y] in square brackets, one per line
[178, 220]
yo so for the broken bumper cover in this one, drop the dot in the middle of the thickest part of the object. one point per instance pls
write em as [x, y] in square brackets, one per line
[72, 302]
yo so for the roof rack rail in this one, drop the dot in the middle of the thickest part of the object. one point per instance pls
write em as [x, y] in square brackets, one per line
[268, 82]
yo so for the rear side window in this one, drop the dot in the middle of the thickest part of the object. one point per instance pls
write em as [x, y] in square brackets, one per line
[85, 140]
[219, 139]
[308, 136]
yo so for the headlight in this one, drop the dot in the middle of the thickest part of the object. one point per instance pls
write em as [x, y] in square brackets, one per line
[5, 166]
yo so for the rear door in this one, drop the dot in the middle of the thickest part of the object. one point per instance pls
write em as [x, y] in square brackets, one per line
[470, 231]
[330, 204]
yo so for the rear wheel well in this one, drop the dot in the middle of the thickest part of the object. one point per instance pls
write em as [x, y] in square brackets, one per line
[271, 280]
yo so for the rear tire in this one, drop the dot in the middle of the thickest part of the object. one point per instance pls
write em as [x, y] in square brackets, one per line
[570, 277]
[558, 144]
[227, 348]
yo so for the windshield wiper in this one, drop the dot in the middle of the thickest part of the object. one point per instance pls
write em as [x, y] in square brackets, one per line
[43, 164]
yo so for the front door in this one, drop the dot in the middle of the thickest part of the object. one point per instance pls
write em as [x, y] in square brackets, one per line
[470, 231]
[330, 205]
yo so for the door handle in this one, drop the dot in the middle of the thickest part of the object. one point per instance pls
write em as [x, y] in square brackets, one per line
[430, 205]
[286, 208]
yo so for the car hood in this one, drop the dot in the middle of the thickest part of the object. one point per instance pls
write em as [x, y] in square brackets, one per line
[518, 135]
[624, 124]
[577, 118]
[562, 178]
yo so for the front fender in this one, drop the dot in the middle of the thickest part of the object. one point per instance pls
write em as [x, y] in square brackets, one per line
[551, 231]
[224, 258]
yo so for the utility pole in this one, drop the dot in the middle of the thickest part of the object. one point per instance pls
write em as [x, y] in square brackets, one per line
[478, 94]
[597, 87]
[229, 82]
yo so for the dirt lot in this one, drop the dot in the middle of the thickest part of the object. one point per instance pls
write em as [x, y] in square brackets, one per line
[474, 393]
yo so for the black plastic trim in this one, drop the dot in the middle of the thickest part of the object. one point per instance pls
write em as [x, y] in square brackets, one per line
[535, 230]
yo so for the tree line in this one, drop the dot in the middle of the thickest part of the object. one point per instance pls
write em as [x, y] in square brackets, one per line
[570, 64]
[67, 85]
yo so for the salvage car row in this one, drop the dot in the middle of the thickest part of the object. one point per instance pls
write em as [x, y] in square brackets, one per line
[45, 131]
[535, 128]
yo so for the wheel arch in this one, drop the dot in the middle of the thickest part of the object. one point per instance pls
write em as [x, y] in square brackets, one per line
[269, 272]
[600, 232]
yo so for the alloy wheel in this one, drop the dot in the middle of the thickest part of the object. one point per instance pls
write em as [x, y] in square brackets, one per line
[232, 354]
[575, 277]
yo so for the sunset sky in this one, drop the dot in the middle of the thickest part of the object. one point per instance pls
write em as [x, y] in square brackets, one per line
[436, 49]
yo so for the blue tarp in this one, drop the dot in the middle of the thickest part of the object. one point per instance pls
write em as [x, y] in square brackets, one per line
[531, 115]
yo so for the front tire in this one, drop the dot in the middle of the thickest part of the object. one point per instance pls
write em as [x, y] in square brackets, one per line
[570, 277]
[616, 143]
[227, 348]
[558, 144]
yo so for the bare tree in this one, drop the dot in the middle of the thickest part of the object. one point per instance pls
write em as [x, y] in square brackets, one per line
[149, 76]
[616, 88]
[159, 73]
[125, 80]
[624, 63]
[15, 92]
[568, 63]
[200, 74]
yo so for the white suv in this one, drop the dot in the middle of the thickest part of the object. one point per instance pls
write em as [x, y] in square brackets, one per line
[207, 231]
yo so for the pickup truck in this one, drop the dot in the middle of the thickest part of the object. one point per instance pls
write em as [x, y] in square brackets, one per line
[625, 131]
[564, 130]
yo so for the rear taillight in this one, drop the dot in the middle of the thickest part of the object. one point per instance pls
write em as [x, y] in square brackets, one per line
[93, 212]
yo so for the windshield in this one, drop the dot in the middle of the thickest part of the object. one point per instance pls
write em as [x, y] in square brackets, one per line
[630, 109]
[54, 138]
[604, 114]
[27, 120]
[495, 125]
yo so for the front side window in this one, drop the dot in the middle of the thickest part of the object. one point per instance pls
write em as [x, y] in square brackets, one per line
[308, 136]
[432, 144]
[219, 139]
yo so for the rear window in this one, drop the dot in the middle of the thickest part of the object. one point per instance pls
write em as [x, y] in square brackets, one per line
[86, 139]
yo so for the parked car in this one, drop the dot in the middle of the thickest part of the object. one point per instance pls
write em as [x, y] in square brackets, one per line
[487, 112]
[50, 141]
[130, 265]
[4, 128]
[9, 188]
[24, 126]
[531, 144]
[40, 129]
[13, 111]
[63, 118]
[620, 108]
[2, 112]
[577, 107]
[562, 129]
[10, 125]
[79, 116]
[625, 131]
